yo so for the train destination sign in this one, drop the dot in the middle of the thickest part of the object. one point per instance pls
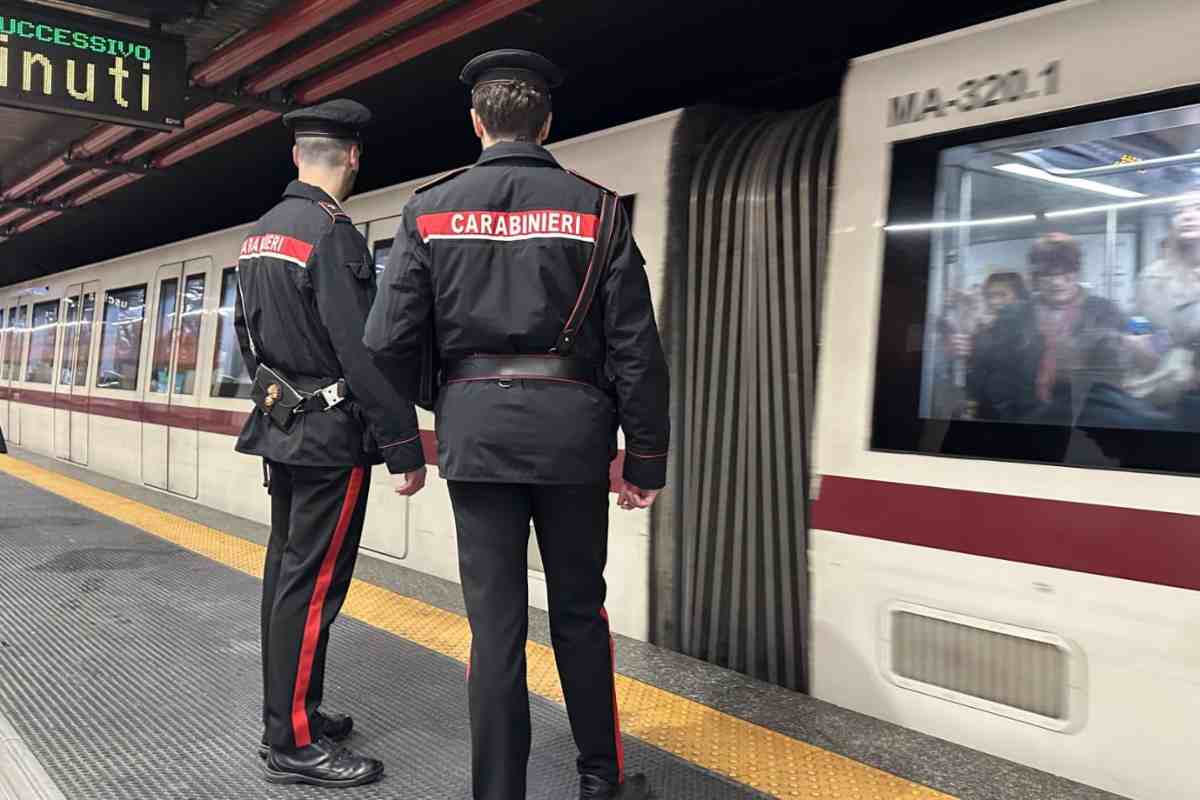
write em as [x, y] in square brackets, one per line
[83, 66]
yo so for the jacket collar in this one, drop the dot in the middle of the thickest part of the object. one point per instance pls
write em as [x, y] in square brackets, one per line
[506, 150]
[298, 188]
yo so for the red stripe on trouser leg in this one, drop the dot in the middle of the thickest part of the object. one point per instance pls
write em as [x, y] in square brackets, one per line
[312, 625]
[612, 650]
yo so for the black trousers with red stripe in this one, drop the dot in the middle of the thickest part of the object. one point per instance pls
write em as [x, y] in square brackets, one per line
[317, 517]
[571, 523]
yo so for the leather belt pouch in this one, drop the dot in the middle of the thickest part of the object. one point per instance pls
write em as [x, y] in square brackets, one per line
[275, 396]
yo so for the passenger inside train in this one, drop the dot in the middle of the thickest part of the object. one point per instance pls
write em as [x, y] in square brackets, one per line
[1103, 335]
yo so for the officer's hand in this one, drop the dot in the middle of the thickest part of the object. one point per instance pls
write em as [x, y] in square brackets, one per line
[409, 483]
[632, 497]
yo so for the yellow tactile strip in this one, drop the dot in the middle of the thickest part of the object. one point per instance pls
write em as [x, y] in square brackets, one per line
[750, 754]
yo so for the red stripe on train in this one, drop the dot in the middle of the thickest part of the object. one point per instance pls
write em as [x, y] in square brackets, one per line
[209, 420]
[1135, 544]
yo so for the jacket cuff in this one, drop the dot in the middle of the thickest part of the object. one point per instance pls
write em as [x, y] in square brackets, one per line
[405, 455]
[645, 470]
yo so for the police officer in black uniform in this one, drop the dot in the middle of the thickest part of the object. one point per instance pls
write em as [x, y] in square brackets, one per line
[499, 260]
[324, 413]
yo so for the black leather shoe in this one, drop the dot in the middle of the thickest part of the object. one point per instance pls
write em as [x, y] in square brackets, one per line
[322, 763]
[592, 787]
[332, 726]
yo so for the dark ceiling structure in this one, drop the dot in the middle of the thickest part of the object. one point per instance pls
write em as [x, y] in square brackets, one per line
[250, 58]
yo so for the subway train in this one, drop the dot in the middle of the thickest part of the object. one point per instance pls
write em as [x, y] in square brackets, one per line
[935, 394]
[131, 368]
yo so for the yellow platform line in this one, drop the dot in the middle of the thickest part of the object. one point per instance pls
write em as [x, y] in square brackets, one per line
[750, 754]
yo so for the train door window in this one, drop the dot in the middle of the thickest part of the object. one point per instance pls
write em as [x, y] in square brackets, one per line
[83, 352]
[42, 340]
[160, 363]
[1041, 296]
[3, 343]
[121, 338]
[230, 376]
[12, 351]
[66, 372]
[191, 317]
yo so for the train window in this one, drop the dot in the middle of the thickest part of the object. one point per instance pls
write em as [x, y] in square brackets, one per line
[1042, 290]
[188, 353]
[164, 326]
[83, 352]
[121, 338]
[15, 340]
[77, 339]
[43, 337]
[66, 373]
[230, 376]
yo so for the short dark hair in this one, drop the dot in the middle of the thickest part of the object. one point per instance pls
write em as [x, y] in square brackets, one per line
[324, 151]
[1055, 253]
[1012, 280]
[511, 109]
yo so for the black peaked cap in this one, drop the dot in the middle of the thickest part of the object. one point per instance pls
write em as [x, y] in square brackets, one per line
[512, 65]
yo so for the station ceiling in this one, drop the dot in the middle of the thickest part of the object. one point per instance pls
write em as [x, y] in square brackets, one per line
[624, 61]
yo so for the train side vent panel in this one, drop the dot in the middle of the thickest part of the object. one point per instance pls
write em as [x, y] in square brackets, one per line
[1025, 674]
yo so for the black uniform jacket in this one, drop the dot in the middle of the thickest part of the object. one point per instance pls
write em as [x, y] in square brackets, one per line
[306, 282]
[497, 255]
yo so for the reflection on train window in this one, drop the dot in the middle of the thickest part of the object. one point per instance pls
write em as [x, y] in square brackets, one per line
[66, 373]
[42, 340]
[3, 342]
[14, 342]
[164, 327]
[77, 339]
[121, 338]
[1048, 277]
[84, 350]
[1064, 288]
[230, 377]
[188, 352]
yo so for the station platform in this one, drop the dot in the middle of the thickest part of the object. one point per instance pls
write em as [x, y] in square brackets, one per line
[129, 668]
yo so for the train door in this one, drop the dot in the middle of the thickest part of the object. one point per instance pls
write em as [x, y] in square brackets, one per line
[170, 418]
[72, 390]
[14, 354]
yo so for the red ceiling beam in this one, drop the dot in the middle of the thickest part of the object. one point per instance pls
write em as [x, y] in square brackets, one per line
[101, 189]
[9, 216]
[67, 187]
[215, 136]
[460, 21]
[193, 121]
[100, 140]
[34, 221]
[321, 53]
[296, 20]
[97, 141]
[48, 171]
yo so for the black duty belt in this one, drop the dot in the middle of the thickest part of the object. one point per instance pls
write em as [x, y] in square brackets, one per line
[522, 367]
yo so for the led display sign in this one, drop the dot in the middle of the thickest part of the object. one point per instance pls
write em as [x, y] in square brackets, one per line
[83, 66]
